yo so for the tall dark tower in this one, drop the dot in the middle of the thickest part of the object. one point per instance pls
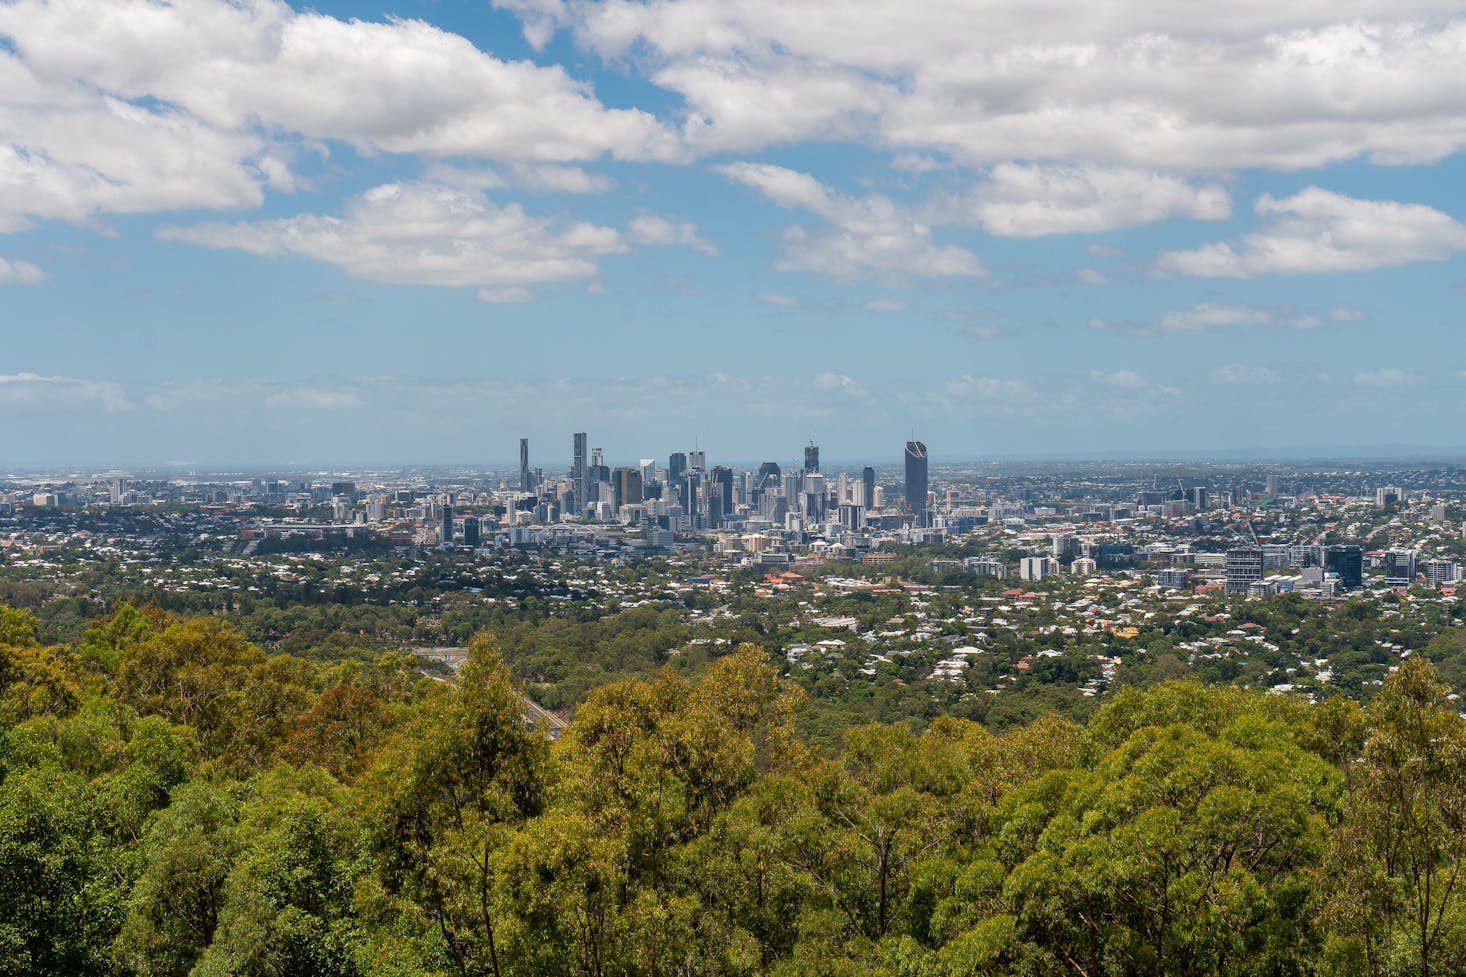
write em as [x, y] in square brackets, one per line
[868, 486]
[578, 476]
[916, 480]
[676, 467]
[524, 485]
[811, 457]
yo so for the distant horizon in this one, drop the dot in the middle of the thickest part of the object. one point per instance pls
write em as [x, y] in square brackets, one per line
[1374, 456]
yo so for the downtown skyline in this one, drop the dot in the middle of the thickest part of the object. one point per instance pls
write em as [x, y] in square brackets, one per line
[413, 238]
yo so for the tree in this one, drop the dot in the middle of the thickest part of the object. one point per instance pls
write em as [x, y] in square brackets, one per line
[1182, 853]
[174, 908]
[1392, 875]
[445, 796]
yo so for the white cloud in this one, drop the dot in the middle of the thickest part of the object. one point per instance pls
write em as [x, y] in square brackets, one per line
[836, 382]
[1318, 231]
[35, 392]
[870, 236]
[1120, 379]
[1090, 276]
[651, 229]
[736, 105]
[133, 106]
[886, 305]
[1033, 201]
[1343, 314]
[1388, 376]
[403, 86]
[20, 273]
[69, 153]
[1238, 375]
[425, 235]
[1178, 86]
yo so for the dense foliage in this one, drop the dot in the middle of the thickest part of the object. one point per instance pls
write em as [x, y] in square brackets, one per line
[176, 801]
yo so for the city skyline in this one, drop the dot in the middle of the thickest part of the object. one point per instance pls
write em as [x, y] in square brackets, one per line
[409, 233]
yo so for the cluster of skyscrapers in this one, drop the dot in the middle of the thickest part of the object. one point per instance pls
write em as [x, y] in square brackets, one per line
[688, 494]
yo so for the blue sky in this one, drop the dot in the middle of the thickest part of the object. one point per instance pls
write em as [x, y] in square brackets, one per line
[250, 233]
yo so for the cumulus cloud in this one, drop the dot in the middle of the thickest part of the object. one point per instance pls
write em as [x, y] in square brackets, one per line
[403, 86]
[20, 272]
[133, 106]
[1319, 231]
[651, 229]
[1272, 85]
[886, 305]
[423, 234]
[1388, 376]
[1033, 201]
[35, 392]
[869, 236]
[1235, 374]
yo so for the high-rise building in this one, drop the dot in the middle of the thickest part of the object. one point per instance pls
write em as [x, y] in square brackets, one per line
[768, 477]
[676, 467]
[524, 482]
[445, 526]
[1399, 567]
[627, 487]
[811, 457]
[580, 494]
[697, 461]
[1037, 568]
[1441, 571]
[722, 477]
[471, 531]
[868, 487]
[1348, 563]
[1244, 568]
[916, 484]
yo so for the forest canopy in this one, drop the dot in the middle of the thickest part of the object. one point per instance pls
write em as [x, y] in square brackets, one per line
[176, 801]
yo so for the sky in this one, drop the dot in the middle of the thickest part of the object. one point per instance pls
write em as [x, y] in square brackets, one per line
[246, 232]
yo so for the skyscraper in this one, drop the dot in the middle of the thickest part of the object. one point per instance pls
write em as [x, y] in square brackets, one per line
[626, 486]
[676, 467]
[811, 457]
[445, 527]
[868, 487]
[524, 485]
[916, 480]
[580, 495]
